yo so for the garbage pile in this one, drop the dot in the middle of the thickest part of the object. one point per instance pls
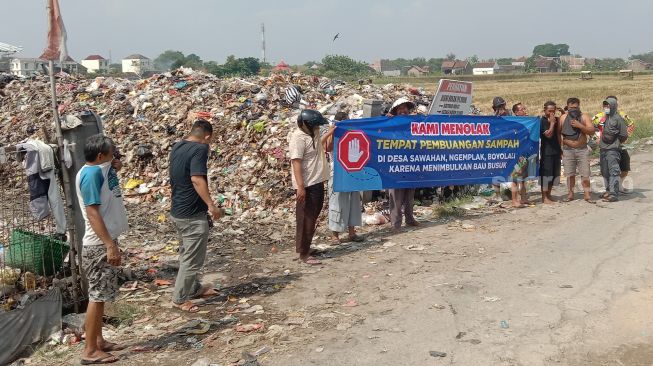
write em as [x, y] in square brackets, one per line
[252, 119]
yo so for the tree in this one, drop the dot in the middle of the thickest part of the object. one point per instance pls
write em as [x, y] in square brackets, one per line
[234, 67]
[473, 60]
[451, 56]
[607, 64]
[551, 50]
[344, 66]
[165, 60]
[505, 61]
[646, 57]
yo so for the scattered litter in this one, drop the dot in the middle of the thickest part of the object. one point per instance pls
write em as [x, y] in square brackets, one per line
[491, 299]
[416, 248]
[566, 286]
[437, 354]
[504, 324]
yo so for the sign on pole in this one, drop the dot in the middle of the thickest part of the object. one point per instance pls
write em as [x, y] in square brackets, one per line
[452, 97]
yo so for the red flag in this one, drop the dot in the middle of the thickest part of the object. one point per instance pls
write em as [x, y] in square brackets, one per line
[56, 48]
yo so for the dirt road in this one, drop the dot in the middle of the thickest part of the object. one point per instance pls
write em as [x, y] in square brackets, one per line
[568, 284]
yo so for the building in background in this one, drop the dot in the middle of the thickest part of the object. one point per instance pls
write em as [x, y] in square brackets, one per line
[417, 71]
[520, 62]
[574, 63]
[6, 51]
[638, 65]
[485, 68]
[35, 66]
[96, 63]
[136, 64]
[456, 67]
[385, 67]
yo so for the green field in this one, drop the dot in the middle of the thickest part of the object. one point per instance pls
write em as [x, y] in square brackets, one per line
[635, 96]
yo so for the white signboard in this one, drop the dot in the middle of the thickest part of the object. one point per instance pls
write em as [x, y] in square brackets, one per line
[452, 97]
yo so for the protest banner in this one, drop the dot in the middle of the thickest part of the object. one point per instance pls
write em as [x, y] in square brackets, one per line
[452, 97]
[431, 151]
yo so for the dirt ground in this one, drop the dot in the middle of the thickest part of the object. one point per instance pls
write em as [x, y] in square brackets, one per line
[566, 284]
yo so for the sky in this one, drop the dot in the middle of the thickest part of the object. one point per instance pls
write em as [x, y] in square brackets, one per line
[300, 31]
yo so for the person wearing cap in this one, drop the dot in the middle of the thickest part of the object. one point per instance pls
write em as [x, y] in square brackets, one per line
[624, 163]
[614, 134]
[345, 208]
[500, 110]
[575, 127]
[309, 172]
[401, 199]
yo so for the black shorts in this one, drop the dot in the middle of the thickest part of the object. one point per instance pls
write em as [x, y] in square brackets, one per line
[550, 169]
[624, 164]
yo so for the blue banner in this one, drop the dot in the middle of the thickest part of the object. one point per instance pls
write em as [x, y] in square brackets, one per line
[432, 151]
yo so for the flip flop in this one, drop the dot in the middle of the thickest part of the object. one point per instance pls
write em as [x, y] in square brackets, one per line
[311, 261]
[333, 242]
[610, 199]
[205, 289]
[112, 347]
[188, 307]
[100, 361]
[356, 239]
[589, 200]
[521, 205]
[605, 195]
[567, 199]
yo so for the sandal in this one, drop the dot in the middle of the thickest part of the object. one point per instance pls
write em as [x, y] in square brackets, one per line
[356, 239]
[112, 347]
[610, 198]
[567, 199]
[605, 195]
[188, 307]
[311, 261]
[521, 205]
[100, 361]
[208, 291]
[589, 200]
[333, 242]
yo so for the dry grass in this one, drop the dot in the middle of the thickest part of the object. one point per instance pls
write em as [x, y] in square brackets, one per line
[635, 96]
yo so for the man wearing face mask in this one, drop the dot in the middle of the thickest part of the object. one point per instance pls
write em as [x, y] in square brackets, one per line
[576, 126]
[615, 133]
[191, 200]
[599, 121]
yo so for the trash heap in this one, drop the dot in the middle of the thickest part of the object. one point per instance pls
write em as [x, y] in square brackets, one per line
[249, 164]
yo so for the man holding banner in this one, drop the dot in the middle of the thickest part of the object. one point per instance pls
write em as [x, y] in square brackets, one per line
[402, 198]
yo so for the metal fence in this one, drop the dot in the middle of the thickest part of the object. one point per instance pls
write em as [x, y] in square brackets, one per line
[33, 257]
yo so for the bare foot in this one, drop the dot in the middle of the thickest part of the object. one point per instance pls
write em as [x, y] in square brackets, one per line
[547, 201]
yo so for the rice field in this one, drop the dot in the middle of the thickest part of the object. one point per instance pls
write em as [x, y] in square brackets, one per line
[635, 96]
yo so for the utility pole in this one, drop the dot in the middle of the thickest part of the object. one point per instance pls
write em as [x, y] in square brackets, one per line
[262, 42]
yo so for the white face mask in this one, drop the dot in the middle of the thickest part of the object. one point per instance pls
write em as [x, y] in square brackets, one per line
[606, 110]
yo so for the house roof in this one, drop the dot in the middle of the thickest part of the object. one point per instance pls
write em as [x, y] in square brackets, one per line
[7, 48]
[282, 66]
[521, 59]
[484, 65]
[456, 64]
[420, 69]
[544, 63]
[573, 61]
[25, 59]
[136, 56]
[95, 57]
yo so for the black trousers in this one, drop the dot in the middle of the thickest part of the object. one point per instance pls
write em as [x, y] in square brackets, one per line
[307, 215]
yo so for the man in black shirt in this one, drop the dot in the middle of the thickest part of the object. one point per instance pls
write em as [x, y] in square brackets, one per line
[550, 151]
[190, 202]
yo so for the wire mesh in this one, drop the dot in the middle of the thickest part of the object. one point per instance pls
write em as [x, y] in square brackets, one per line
[33, 256]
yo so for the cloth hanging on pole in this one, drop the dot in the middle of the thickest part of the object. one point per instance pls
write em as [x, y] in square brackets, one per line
[56, 48]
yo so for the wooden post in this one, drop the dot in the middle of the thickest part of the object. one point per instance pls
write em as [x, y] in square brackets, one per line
[66, 186]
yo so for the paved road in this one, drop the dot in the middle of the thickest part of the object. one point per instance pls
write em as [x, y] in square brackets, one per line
[568, 284]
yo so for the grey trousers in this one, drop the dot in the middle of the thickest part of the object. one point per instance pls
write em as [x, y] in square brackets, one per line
[401, 199]
[194, 234]
[610, 170]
